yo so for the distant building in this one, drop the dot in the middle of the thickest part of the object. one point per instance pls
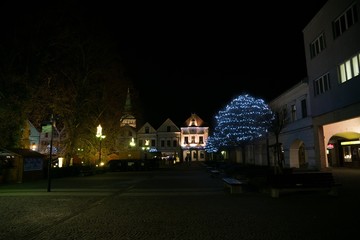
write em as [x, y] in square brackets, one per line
[168, 138]
[193, 139]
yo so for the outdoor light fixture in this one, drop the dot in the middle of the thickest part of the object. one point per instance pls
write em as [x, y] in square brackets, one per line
[146, 148]
[33, 147]
[147, 143]
[51, 125]
[132, 142]
[60, 162]
[100, 136]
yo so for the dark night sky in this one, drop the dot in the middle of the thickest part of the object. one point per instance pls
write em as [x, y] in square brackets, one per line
[195, 57]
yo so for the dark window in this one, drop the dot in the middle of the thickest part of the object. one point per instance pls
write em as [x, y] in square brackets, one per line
[345, 21]
[322, 84]
[303, 108]
[317, 46]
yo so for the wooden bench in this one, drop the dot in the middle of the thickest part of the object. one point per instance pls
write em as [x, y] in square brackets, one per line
[235, 185]
[303, 181]
[214, 173]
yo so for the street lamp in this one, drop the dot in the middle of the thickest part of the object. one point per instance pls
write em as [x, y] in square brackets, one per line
[132, 142]
[146, 148]
[50, 155]
[100, 136]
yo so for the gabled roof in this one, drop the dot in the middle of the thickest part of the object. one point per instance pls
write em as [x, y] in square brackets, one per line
[151, 128]
[166, 123]
[6, 152]
[21, 151]
[195, 121]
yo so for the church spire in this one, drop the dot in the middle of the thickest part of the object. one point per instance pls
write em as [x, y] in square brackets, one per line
[127, 108]
[127, 118]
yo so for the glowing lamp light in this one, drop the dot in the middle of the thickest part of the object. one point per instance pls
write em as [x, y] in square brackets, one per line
[132, 142]
[33, 147]
[61, 161]
[330, 146]
[147, 144]
[100, 136]
[99, 131]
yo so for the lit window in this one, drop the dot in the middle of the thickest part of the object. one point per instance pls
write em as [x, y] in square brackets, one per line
[349, 69]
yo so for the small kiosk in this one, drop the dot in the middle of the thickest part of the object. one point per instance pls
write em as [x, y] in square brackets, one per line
[18, 165]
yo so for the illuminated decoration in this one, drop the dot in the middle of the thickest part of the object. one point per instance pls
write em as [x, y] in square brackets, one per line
[100, 136]
[147, 145]
[243, 120]
[153, 150]
[146, 148]
[98, 131]
[132, 142]
[60, 162]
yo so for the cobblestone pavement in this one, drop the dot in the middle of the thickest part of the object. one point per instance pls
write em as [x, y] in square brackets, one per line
[177, 203]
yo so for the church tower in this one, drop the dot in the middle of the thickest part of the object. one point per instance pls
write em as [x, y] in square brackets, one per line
[126, 144]
[128, 119]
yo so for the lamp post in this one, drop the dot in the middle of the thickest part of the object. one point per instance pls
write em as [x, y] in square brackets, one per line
[132, 142]
[146, 148]
[100, 136]
[50, 155]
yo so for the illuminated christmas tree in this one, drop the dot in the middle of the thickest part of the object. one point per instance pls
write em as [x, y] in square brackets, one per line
[242, 121]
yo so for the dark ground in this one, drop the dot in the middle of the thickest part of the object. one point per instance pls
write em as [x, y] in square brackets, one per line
[182, 202]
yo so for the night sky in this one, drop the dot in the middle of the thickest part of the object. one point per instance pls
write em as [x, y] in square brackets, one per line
[189, 57]
[196, 59]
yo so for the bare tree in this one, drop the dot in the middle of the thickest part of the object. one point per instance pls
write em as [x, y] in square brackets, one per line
[277, 125]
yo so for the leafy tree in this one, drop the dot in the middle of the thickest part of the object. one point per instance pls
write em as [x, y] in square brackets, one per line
[80, 79]
[53, 63]
[14, 93]
[12, 117]
[242, 121]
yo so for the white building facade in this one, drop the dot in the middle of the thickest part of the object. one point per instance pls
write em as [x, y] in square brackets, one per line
[332, 50]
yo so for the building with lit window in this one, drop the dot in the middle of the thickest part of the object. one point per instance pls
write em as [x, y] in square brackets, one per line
[332, 53]
[193, 139]
[322, 112]
[168, 138]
